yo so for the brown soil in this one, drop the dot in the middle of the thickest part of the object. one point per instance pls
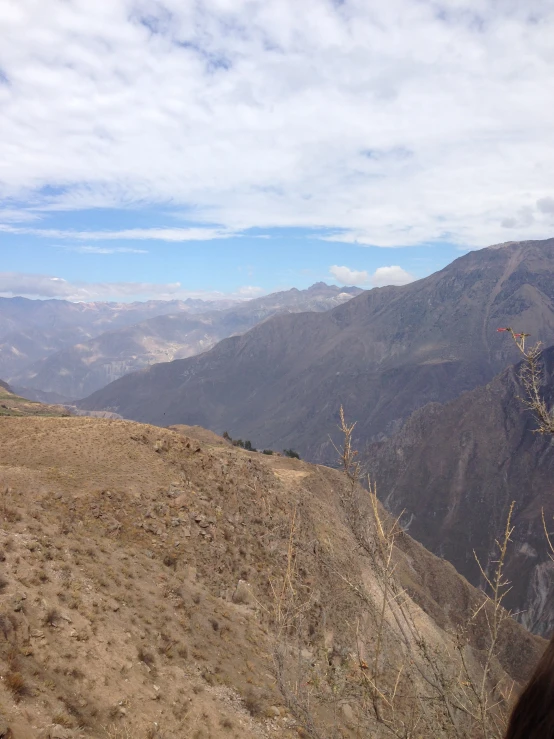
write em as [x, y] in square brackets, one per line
[123, 548]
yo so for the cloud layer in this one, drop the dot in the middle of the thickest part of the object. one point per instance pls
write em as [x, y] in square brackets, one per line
[393, 275]
[378, 123]
[128, 234]
[48, 286]
[104, 250]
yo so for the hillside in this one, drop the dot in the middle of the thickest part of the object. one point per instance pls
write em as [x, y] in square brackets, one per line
[453, 471]
[14, 405]
[382, 355]
[86, 366]
[31, 330]
[140, 573]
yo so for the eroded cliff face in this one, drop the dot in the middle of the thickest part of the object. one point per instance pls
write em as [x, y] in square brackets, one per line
[539, 614]
[453, 471]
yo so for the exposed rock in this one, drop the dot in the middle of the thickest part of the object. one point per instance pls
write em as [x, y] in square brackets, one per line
[57, 732]
[242, 593]
[181, 501]
[349, 715]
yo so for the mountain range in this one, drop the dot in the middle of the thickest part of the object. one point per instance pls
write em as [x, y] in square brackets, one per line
[382, 355]
[117, 340]
[33, 329]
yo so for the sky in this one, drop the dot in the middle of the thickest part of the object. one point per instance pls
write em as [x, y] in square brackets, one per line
[208, 148]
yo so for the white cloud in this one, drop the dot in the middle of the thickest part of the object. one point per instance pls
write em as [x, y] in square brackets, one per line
[346, 276]
[393, 275]
[48, 286]
[140, 234]
[17, 215]
[104, 250]
[379, 123]
[250, 291]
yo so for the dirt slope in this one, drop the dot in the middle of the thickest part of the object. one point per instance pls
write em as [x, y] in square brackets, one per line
[136, 590]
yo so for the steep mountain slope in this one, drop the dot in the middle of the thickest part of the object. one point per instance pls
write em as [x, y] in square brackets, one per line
[454, 470]
[80, 370]
[383, 354]
[33, 329]
[140, 572]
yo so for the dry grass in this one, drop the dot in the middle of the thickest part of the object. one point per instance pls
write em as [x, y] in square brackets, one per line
[407, 682]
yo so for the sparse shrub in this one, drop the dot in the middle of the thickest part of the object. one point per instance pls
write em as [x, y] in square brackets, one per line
[253, 702]
[16, 684]
[5, 625]
[52, 616]
[226, 723]
[146, 657]
[267, 451]
[183, 651]
[166, 647]
[3, 584]
[62, 719]
[74, 710]
[12, 659]
[10, 515]
[170, 560]
[291, 453]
